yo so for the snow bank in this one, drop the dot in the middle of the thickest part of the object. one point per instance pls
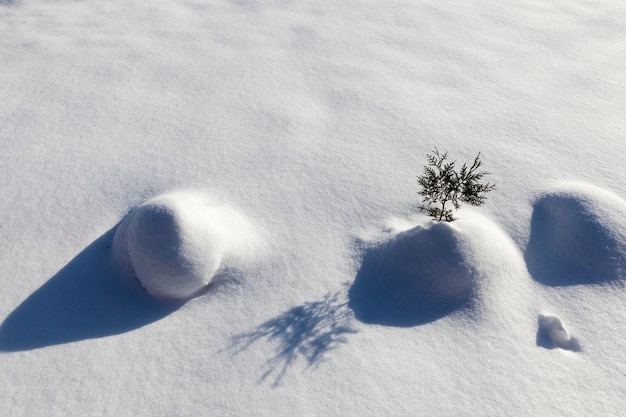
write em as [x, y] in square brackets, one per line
[429, 271]
[578, 236]
[552, 333]
[176, 243]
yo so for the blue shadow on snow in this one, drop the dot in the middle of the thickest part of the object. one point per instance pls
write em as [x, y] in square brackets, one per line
[84, 300]
[308, 332]
[382, 294]
[568, 245]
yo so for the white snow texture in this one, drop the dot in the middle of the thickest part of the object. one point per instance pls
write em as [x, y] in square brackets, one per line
[309, 120]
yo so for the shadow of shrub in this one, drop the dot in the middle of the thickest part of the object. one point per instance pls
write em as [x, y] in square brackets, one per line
[308, 332]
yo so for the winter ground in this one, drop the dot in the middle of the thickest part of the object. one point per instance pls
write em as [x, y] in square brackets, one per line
[312, 120]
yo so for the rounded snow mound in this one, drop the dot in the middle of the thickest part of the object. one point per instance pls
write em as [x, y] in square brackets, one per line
[577, 236]
[426, 272]
[176, 243]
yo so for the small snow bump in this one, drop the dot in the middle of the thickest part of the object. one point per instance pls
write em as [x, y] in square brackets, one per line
[552, 333]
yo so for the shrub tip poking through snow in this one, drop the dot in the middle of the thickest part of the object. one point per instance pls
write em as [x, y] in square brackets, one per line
[176, 243]
[443, 185]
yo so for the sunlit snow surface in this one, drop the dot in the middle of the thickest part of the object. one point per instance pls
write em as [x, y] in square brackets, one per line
[312, 119]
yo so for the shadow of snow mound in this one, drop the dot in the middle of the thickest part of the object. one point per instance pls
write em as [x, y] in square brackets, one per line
[418, 276]
[308, 331]
[84, 300]
[577, 236]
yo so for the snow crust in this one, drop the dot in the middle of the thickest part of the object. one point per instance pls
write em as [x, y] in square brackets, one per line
[578, 236]
[176, 243]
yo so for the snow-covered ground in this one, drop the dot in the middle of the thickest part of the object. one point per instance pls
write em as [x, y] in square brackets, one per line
[282, 139]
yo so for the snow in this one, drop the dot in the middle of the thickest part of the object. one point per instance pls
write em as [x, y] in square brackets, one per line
[419, 275]
[551, 328]
[86, 299]
[279, 142]
[416, 277]
[578, 235]
[176, 243]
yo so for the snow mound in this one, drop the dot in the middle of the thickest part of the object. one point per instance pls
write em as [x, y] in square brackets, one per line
[552, 333]
[431, 270]
[176, 243]
[577, 236]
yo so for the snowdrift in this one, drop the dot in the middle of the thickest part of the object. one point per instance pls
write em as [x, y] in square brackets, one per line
[427, 272]
[577, 236]
[176, 243]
